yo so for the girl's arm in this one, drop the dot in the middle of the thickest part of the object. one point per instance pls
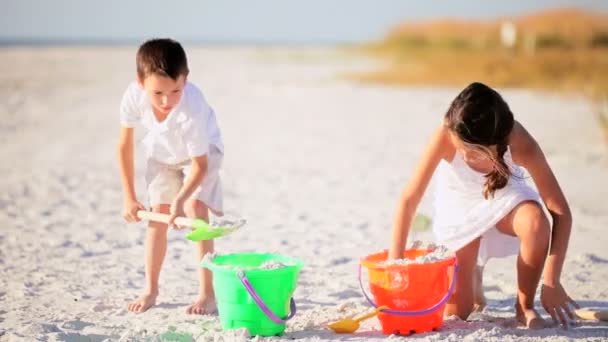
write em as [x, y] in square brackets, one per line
[527, 153]
[439, 147]
[199, 169]
[127, 169]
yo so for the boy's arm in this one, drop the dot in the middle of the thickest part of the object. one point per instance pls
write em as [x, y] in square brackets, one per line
[199, 170]
[127, 170]
[437, 149]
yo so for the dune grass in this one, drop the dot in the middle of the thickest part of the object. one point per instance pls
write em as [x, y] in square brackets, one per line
[602, 115]
[573, 71]
[457, 53]
[583, 71]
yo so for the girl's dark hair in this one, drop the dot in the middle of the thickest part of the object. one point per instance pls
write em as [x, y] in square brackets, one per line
[164, 57]
[481, 118]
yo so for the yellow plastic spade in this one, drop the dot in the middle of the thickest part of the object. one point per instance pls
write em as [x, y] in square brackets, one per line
[349, 325]
[201, 230]
[588, 314]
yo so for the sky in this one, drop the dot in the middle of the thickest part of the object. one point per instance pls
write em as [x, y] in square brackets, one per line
[242, 21]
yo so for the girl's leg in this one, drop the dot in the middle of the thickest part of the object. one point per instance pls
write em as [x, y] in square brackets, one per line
[156, 247]
[205, 303]
[528, 222]
[461, 302]
[479, 301]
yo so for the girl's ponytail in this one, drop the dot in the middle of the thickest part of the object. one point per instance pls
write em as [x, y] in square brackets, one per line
[499, 176]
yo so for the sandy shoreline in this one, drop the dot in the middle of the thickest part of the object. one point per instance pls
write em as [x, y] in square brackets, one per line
[315, 163]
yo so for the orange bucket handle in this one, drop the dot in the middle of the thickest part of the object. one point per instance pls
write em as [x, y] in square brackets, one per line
[417, 312]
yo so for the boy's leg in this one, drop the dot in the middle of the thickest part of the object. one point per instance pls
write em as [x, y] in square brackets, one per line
[156, 247]
[461, 302]
[205, 302]
[529, 223]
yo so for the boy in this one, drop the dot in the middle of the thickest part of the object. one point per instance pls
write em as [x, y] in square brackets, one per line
[184, 151]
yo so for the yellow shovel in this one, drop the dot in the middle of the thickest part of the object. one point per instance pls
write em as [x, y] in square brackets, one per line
[349, 325]
[590, 315]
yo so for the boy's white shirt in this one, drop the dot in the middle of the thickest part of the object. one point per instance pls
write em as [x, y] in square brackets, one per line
[187, 131]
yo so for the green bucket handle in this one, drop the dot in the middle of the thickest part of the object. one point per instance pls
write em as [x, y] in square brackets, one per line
[256, 298]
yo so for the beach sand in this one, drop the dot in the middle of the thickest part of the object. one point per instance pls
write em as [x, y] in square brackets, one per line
[314, 162]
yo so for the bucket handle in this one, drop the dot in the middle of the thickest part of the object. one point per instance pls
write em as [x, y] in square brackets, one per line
[256, 298]
[418, 312]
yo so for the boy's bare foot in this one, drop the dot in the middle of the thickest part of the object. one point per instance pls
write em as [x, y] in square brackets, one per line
[142, 303]
[202, 306]
[529, 317]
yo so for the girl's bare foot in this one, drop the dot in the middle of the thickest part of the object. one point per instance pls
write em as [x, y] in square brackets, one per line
[479, 300]
[202, 306]
[142, 303]
[479, 306]
[529, 317]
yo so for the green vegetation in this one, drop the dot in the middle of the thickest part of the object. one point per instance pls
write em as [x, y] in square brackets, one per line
[557, 50]
[600, 40]
[421, 223]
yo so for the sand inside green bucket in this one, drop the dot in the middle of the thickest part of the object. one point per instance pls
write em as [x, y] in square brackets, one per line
[263, 265]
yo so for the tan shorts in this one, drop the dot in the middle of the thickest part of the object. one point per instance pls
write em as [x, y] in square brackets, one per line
[164, 181]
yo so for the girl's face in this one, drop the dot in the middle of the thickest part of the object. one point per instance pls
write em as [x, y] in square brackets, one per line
[472, 153]
[164, 92]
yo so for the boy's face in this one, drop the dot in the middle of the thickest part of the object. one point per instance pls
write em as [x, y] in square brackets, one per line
[164, 92]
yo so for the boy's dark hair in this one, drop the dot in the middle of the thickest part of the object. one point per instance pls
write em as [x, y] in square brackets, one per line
[164, 57]
[480, 117]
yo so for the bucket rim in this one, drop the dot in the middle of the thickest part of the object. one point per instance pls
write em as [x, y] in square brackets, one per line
[295, 264]
[373, 265]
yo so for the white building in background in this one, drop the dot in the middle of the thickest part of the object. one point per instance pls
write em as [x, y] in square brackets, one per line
[508, 34]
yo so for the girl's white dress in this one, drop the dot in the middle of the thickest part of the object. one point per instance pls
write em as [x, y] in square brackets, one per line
[462, 213]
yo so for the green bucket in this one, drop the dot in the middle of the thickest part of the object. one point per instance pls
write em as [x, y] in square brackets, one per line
[257, 299]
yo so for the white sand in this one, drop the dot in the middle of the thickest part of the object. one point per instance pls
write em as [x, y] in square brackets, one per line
[267, 265]
[435, 255]
[314, 163]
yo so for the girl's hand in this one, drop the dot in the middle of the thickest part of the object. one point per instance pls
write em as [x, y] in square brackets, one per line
[177, 209]
[130, 209]
[556, 302]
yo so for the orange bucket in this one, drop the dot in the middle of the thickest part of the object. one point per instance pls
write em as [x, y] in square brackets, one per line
[415, 294]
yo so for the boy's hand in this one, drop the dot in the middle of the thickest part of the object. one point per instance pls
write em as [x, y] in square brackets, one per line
[177, 209]
[131, 207]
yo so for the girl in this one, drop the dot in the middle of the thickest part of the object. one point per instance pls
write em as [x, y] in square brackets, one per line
[483, 205]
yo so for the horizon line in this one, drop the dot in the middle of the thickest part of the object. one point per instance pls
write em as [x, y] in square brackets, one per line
[47, 42]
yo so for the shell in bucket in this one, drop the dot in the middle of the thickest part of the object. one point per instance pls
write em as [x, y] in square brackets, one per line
[418, 288]
[252, 297]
